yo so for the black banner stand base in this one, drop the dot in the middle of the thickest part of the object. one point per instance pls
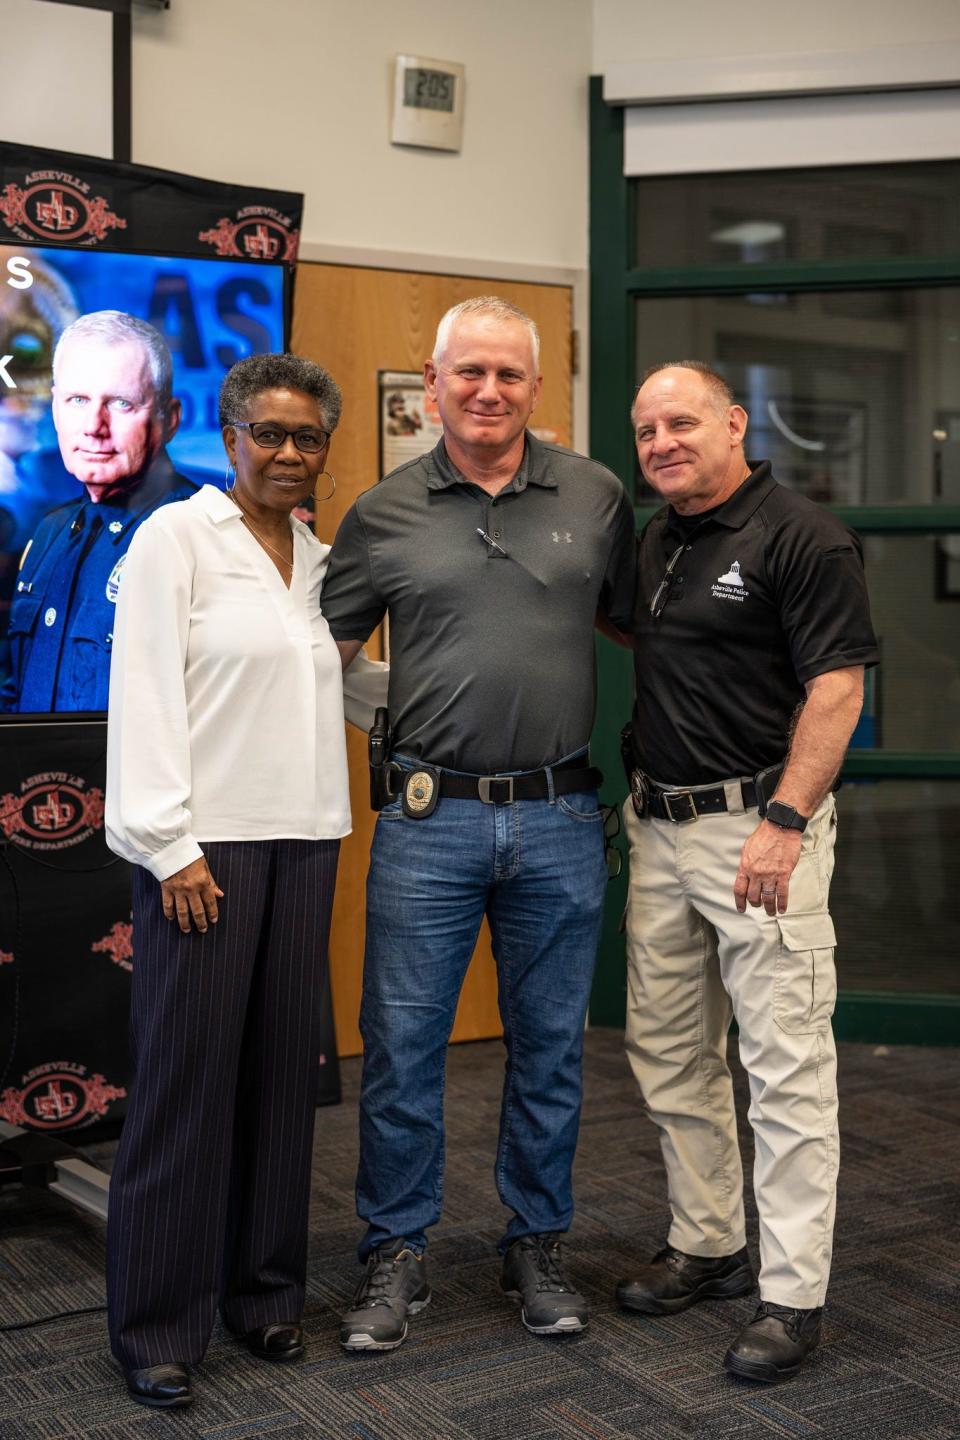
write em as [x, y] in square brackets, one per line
[41, 1162]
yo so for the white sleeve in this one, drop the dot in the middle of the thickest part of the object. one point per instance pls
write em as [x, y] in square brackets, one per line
[148, 744]
[365, 684]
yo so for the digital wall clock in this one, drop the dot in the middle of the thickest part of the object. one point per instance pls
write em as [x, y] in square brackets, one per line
[428, 103]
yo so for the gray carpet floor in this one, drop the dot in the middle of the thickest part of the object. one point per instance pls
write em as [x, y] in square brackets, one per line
[889, 1367]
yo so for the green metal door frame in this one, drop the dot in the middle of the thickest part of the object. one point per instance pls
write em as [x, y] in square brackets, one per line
[878, 1016]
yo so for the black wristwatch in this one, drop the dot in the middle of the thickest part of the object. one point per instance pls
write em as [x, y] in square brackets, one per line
[785, 816]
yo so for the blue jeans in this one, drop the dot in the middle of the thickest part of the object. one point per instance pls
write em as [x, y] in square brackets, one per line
[536, 870]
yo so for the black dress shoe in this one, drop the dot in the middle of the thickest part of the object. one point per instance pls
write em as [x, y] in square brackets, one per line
[281, 1341]
[774, 1344]
[162, 1386]
[674, 1281]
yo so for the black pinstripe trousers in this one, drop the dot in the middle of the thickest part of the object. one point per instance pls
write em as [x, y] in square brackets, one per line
[211, 1186]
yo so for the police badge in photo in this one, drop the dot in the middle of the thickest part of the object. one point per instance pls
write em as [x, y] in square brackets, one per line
[113, 580]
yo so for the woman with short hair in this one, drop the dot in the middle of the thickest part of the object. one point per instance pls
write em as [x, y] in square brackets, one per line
[227, 788]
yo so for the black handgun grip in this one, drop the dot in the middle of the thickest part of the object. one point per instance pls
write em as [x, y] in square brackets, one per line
[378, 753]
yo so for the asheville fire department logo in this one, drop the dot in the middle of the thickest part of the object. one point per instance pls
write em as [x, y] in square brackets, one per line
[53, 811]
[56, 206]
[257, 233]
[118, 944]
[58, 1095]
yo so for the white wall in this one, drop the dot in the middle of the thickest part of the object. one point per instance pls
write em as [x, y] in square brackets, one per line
[625, 30]
[296, 94]
[57, 85]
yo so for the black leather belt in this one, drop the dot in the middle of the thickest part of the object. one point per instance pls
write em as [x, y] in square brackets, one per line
[568, 777]
[681, 805]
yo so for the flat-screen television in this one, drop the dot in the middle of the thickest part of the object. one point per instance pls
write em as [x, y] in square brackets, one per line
[131, 423]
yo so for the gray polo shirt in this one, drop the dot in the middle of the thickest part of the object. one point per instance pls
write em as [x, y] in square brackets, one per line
[491, 653]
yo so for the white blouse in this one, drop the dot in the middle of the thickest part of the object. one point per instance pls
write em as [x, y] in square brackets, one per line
[226, 717]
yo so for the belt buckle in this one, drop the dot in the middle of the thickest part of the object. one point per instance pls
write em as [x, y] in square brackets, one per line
[483, 788]
[669, 796]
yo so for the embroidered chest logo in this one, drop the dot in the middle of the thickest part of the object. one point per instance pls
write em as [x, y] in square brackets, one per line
[730, 586]
[562, 537]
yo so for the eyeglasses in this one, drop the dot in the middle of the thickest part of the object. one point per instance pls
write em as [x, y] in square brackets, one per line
[270, 436]
[611, 829]
[663, 589]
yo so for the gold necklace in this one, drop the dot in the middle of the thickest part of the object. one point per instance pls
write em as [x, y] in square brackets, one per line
[250, 525]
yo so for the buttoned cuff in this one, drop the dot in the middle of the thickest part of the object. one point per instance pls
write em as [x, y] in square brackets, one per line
[173, 857]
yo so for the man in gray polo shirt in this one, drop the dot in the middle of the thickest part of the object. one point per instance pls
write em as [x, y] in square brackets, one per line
[492, 556]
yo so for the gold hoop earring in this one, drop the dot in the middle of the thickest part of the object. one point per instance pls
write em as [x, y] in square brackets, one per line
[333, 486]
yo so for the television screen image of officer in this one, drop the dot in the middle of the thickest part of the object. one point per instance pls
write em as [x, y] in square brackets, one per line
[32, 317]
[32, 478]
[114, 412]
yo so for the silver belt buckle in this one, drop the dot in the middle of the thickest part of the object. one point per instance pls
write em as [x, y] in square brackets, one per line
[483, 788]
[669, 796]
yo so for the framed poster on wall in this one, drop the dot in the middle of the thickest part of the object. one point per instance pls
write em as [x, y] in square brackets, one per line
[409, 423]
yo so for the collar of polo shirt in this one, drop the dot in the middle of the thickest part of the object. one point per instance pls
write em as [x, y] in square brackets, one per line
[534, 468]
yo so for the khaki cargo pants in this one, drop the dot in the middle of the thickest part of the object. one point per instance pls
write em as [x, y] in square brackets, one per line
[693, 961]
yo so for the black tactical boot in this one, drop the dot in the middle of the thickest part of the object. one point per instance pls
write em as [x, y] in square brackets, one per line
[675, 1281]
[774, 1344]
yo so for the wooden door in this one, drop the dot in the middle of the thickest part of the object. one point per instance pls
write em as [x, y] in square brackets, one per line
[356, 321]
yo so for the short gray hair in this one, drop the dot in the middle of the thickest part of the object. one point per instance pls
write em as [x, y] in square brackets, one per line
[497, 309]
[721, 391]
[249, 378]
[116, 327]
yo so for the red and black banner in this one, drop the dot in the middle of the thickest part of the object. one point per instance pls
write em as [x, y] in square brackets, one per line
[67, 947]
[48, 197]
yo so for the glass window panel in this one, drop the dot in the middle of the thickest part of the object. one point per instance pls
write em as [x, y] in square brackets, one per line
[853, 212]
[853, 394]
[913, 699]
[893, 895]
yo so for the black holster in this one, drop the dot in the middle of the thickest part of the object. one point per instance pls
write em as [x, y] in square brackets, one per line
[378, 753]
[766, 782]
[626, 750]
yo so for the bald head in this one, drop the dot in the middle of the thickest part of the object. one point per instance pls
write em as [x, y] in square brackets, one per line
[720, 391]
[689, 434]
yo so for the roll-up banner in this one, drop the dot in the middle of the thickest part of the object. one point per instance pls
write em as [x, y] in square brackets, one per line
[67, 945]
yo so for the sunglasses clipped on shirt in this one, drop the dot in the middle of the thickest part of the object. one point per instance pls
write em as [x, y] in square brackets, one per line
[662, 591]
[270, 436]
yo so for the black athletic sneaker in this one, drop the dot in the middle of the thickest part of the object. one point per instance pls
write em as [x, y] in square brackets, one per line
[394, 1286]
[674, 1281]
[774, 1344]
[533, 1274]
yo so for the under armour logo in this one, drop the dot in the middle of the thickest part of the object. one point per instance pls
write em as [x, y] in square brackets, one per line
[562, 537]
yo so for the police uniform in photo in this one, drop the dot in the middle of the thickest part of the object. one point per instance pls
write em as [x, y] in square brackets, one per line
[766, 592]
[64, 602]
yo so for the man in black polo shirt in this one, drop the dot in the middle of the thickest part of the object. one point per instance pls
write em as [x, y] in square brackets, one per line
[491, 556]
[751, 635]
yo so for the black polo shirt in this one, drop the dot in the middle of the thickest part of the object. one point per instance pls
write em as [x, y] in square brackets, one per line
[491, 649]
[768, 591]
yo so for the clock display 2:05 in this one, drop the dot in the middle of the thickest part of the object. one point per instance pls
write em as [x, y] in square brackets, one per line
[428, 89]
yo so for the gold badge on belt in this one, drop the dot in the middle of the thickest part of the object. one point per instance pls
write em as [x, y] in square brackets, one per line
[639, 794]
[421, 790]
